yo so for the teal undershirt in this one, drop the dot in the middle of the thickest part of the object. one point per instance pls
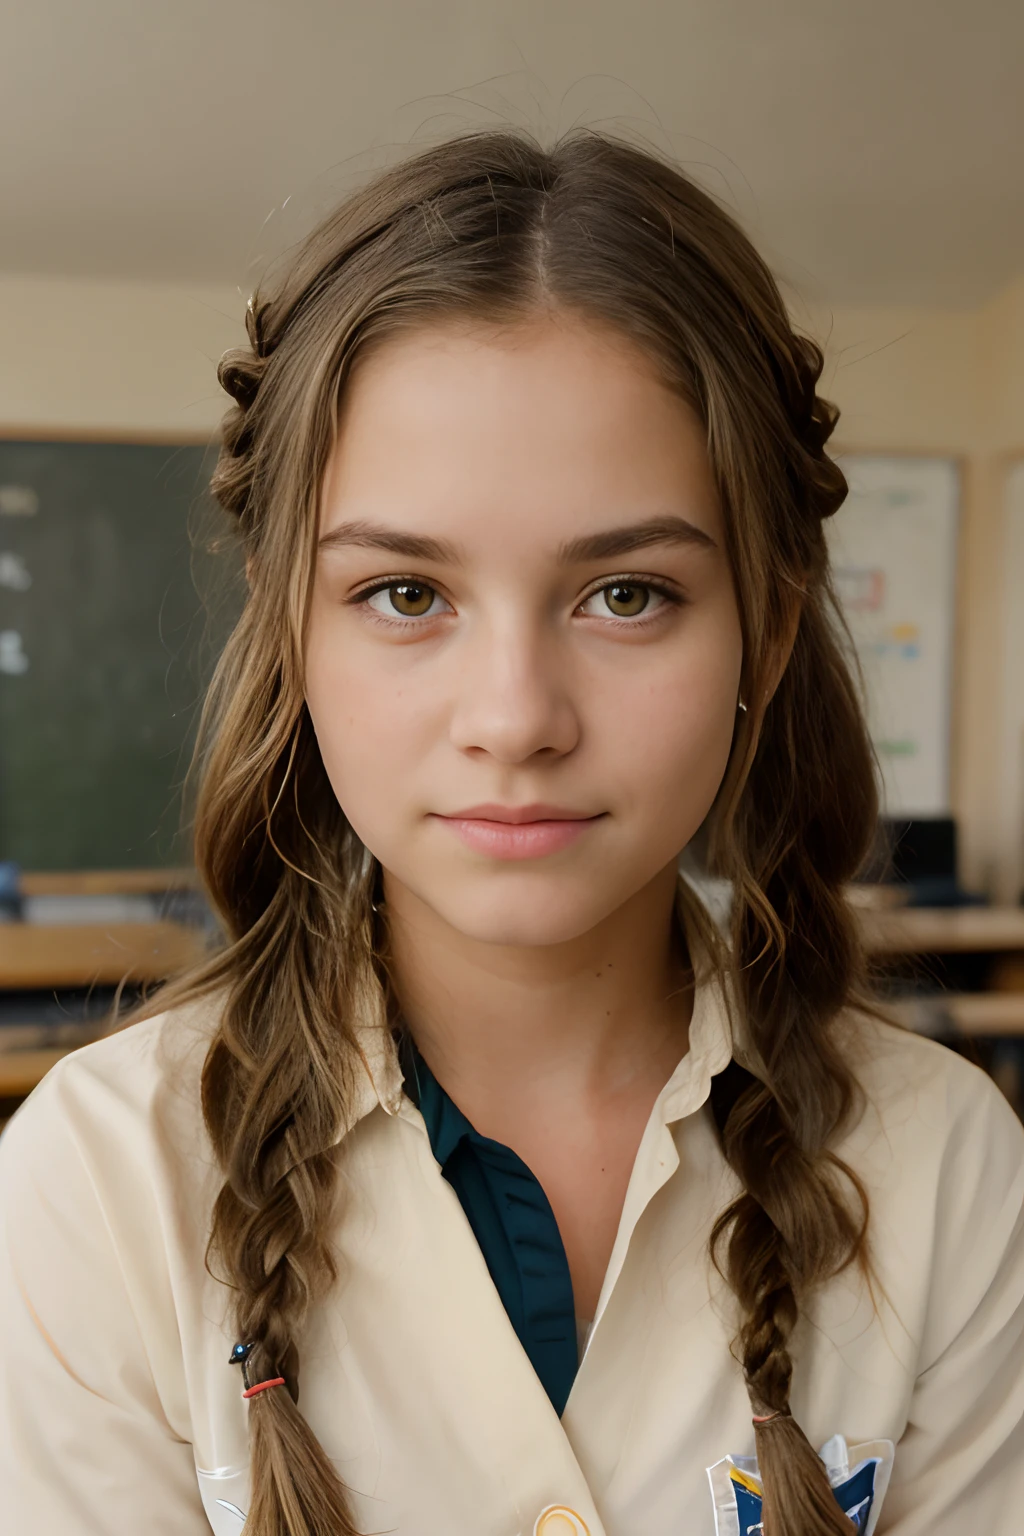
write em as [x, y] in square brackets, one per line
[514, 1226]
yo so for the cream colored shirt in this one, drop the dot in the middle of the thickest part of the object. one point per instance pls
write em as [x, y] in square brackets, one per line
[120, 1414]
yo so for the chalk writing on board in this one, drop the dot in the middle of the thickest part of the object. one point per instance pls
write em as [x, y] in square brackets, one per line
[14, 572]
[18, 501]
[13, 660]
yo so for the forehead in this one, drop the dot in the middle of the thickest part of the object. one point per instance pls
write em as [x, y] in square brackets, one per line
[556, 424]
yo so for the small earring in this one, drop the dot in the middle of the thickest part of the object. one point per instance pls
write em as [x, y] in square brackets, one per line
[742, 706]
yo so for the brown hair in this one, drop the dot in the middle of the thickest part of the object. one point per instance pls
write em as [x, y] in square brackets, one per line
[491, 226]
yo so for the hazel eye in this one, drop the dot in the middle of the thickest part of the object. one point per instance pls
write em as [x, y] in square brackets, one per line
[621, 599]
[408, 599]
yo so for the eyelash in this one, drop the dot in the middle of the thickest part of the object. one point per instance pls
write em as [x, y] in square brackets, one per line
[670, 596]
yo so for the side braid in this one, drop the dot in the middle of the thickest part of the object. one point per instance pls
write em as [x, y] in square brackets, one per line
[769, 1270]
[791, 845]
[273, 1103]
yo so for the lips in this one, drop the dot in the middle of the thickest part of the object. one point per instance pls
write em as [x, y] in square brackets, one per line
[519, 832]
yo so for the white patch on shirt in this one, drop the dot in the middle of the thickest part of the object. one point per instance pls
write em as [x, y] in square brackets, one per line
[225, 1495]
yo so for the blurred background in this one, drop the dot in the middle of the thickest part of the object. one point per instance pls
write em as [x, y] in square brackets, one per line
[156, 157]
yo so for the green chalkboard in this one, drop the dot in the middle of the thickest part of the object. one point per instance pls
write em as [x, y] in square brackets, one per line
[114, 603]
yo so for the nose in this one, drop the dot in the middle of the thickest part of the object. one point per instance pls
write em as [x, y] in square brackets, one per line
[513, 696]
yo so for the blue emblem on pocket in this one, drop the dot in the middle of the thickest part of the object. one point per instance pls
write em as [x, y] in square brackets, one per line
[858, 1488]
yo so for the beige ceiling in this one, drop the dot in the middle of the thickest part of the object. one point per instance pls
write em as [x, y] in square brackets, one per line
[875, 148]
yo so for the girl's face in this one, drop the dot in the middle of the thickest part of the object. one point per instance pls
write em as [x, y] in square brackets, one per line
[524, 649]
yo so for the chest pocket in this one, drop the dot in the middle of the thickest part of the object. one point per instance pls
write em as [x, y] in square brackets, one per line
[225, 1496]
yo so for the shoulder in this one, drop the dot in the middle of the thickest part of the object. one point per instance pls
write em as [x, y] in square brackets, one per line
[132, 1097]
[912, 1081]
[937, 1141]
[107, 1182]
[108, 1179]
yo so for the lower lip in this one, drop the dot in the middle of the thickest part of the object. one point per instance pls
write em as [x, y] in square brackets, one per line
[517, 840]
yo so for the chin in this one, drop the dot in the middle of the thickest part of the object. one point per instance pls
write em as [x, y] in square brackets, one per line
[528, 917]
[518, 930]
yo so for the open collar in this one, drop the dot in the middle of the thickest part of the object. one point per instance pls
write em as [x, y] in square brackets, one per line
[446, 1125]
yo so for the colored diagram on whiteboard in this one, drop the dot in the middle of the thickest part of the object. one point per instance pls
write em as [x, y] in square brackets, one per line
[893, 551]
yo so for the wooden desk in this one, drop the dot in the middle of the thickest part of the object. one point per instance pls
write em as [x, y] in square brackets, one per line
[943, 930]
[45, 956]
[106, 882]
[987, 1013]
[970, 1013]
[94, 954]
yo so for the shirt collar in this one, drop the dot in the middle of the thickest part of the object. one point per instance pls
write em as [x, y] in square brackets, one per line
[709, 1051]
[446, 1125]
[377, 1078]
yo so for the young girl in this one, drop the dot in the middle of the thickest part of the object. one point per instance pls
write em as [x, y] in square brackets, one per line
[489, 1182]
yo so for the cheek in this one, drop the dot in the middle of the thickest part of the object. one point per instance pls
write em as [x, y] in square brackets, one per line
[673, 734]
[364, 726]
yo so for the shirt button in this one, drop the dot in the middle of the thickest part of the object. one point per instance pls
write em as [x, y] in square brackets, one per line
[559, 1520]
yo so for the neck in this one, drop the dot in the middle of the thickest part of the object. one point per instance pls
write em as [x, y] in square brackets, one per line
[578, 1025]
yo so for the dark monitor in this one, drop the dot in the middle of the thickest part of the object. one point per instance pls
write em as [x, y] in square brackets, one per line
[921, 848]
[920, 852]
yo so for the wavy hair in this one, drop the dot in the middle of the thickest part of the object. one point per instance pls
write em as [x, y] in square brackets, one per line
[491, 226]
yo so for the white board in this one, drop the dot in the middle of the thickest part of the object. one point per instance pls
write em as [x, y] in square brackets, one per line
[893, 546]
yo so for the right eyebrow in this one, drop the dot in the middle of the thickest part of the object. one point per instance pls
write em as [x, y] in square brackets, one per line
[415, 546]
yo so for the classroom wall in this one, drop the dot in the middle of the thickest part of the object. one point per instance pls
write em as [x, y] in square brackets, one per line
[121, 358]
[93, 356]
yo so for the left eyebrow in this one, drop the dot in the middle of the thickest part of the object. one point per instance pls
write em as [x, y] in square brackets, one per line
[669, 529]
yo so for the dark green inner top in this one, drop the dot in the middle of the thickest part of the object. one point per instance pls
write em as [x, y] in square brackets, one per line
[513, 1223]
